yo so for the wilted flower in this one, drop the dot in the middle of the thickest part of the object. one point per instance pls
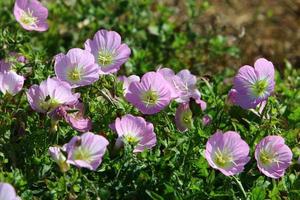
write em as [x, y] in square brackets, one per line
[108, 51]
[151, 94]
[127, 81]
[31, 14]
[206, 120]
[86, 150]
[136, 131]
[59, 158]
[7, 192]
[11, 82]
[253, 85]
[77, 67]
[273, 156]
[184, 117]
[227, 152]
[73, 115]
[50, 94]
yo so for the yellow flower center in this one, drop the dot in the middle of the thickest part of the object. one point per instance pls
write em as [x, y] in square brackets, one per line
[74, 75]
[223, 158]
[131, 139]
[105, 58]
[149, 98]
[28, 19]
[259, 88]
[267, 158]
[49, 104]
[82, 154]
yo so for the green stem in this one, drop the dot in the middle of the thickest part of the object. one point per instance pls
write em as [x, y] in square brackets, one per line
[240, 186]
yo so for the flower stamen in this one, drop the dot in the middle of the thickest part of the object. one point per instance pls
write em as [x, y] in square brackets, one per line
[105, 58]
[28, 19]
[150, 98]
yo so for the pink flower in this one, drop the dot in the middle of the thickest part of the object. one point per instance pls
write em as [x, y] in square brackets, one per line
[227, 152]
[136, 131]
[77, 68]
[183, 86]
[273, 156]
[108, 51]
[11, 82]
[253, 85]
[151, 94]
[74, 115]
[86, 150]
[31, 14]
[51, 94]
[188, 88]
[174, 81]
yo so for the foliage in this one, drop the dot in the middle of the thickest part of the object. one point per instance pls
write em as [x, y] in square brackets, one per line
[176, 167]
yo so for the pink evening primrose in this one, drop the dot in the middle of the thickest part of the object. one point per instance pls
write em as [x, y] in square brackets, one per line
[253, 85]
[136, 131]
[11, 82]
[31, 14]
[50, 94]
[73, 115]
[188, 88]
[227, 152]
[77, 67]
[273, 156]
[108, 51]
[86, 150]
[183, 86]
[151, 94]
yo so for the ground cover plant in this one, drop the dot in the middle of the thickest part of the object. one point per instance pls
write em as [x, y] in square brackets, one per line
[116, 100]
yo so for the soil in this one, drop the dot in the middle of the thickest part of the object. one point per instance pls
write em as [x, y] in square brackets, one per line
[260, 28]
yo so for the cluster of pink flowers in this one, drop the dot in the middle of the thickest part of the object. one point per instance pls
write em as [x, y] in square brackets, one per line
[150, 94]
[155, 90]
[229, 153]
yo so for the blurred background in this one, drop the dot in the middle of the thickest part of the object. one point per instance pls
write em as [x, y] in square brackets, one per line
[204, 36]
